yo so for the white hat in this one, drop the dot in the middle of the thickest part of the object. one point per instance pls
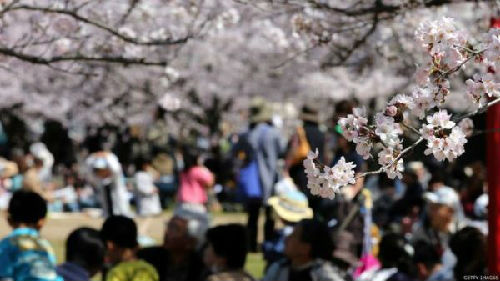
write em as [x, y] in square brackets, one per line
[443, 195]
[39, 150]
[100, 163]
[291, 206]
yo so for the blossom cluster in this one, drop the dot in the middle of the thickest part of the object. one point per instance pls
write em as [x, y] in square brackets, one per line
[325, 181]
[481, 88]
[445, 140]
[422, 112]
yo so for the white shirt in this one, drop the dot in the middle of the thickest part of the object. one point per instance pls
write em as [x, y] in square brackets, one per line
[148, 201]
[119, 194]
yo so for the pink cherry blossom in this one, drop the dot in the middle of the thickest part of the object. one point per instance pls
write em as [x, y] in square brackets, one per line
[387, 159]
[467, 126]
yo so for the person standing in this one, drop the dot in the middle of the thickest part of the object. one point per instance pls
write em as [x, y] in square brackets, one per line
[148, 201]
[195, 179]
[307, 137]
[107, 178]
[257, 152]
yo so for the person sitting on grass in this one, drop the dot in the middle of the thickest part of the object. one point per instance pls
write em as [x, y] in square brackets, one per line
[308, 252]
[24, 255]
[428, 262]
[85, 252]
[178, 259]
[226, 252]
[120, 237]
[290, 207]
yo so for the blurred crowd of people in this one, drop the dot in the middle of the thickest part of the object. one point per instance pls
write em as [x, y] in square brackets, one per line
[430, 225]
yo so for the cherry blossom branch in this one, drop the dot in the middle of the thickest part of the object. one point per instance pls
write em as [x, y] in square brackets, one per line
[421, 139]
[114, 60]
[448, 51]
[410, 128]
[101, 26]
[480, 110]
[380, 8]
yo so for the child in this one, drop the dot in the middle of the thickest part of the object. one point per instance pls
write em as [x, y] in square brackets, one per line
[84, 255]
[24, 255]
[120, 237]
[195, 179]
[148, 201]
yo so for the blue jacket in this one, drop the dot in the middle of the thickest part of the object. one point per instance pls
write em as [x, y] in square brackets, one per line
[268, 147]
[24, 256]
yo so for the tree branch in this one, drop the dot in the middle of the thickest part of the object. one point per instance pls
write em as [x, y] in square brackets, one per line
[82, 58]
[108, 29]
[380, 9]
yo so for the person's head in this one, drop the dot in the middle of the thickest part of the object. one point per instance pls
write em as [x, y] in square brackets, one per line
[410, 177]
[37, 162]
[290, 206]
[309, 115]
[342, 109]
[259, 111]
[100, 167]
[437, 181]
[343, 143]
[191, 157]
[186, 230]
[85, 248]
[394, 251]
[227, 247]
[309, 240]
[120, 237]
[418, 168]
[142, 163]
[102, 173]
[441, 216]
[469, 247]
[426, 258]
[39, 152]
[442, 208]
[27, 209]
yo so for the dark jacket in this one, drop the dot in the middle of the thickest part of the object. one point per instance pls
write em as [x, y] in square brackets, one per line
[160, 258]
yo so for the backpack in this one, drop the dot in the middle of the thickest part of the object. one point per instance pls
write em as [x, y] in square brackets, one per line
[299, 147]
[248, 178]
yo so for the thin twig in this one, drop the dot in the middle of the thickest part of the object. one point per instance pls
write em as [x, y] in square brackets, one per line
[410, 128]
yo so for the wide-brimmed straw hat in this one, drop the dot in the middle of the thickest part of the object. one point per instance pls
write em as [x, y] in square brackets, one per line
[291, 206]
[310, 114]
[260, 111]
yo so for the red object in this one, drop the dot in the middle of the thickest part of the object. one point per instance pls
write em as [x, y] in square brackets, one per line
[495, 22]
[493, 163]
